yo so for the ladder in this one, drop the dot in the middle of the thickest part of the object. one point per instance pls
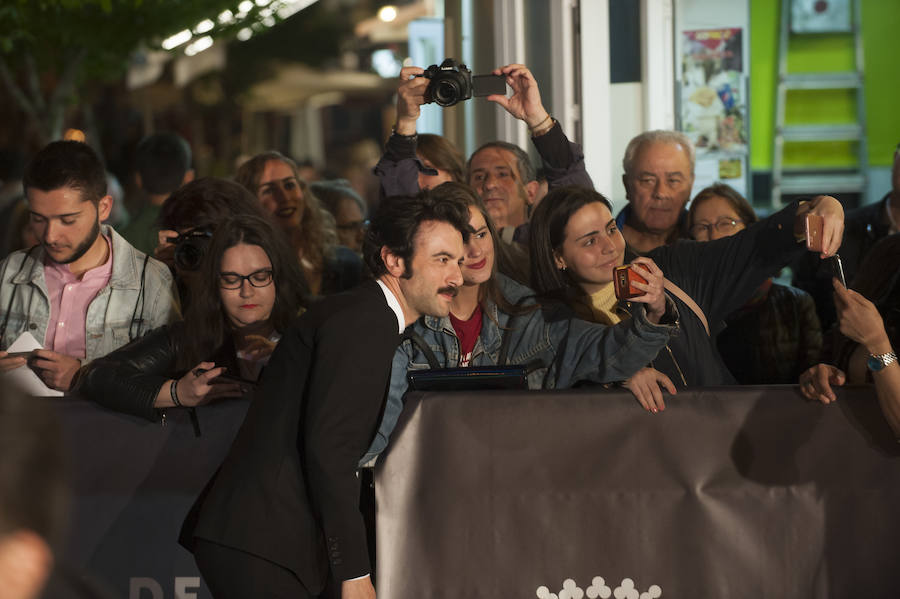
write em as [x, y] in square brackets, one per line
[818, 180]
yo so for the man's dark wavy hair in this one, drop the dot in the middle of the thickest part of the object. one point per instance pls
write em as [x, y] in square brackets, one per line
[397, 221]
[67, 164]
[206, 324]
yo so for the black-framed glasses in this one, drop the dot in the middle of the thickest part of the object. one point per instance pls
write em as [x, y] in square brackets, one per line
[258, 278]
[724, 226]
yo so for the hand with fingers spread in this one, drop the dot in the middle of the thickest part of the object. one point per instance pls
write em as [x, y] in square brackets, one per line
[410, 97]
[654, 290]
[647, 386]
[525, 102]
[55, 369]
[817, 381]
[832, 212]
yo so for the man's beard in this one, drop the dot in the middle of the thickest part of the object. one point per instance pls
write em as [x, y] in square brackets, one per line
[82, 248]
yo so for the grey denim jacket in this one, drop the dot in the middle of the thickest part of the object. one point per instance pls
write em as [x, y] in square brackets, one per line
[124, 309]
[558, 348]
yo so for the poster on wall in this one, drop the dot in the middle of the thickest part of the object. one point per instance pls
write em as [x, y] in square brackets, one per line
[714, 105]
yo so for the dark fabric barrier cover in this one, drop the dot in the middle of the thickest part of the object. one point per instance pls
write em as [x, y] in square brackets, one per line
[731, 492]
[133, 482]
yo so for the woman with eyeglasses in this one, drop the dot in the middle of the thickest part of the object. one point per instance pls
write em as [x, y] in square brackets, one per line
[248, 289]
[575, 245]
[775, 335]
[327, 266]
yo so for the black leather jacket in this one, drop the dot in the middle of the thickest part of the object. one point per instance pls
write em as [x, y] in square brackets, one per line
[129, 379]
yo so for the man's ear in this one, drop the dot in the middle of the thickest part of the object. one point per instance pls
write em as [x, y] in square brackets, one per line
[395, 265]
[104, 207]
[188, 176]
[559, 261]
[531, 190]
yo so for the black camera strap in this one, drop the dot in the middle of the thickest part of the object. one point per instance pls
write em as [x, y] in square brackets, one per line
[140, 300]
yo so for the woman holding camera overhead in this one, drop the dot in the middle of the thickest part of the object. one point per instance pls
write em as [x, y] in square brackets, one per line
[247, 289]
[576, 245]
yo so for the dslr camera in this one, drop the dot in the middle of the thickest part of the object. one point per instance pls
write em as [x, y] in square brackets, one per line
[452, 82]
[190, 248]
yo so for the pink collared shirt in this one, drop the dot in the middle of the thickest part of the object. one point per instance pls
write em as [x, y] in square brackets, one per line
[69, 301]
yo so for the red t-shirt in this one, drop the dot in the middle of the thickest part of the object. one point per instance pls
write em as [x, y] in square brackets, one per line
[467, 331]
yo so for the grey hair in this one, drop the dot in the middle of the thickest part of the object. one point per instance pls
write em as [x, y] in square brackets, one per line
[657, 136]
[526, 170]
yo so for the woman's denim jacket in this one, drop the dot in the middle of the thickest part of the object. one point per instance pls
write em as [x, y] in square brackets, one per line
[135, 300]
[558, 348]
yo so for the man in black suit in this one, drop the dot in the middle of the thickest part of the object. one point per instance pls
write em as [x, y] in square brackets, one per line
[282, 517]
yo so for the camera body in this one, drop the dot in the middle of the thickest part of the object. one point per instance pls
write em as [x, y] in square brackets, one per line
[190, 247]
[449, 83]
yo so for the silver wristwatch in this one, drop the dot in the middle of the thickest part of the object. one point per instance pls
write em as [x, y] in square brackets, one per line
[877, 362]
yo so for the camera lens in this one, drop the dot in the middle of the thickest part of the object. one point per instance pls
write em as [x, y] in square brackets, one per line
[446, 92]
[188, 256]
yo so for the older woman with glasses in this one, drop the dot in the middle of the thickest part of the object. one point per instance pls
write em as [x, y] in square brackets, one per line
[249, 289]
[776, 335]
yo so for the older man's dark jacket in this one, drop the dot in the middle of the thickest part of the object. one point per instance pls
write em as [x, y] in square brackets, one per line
[288, 490]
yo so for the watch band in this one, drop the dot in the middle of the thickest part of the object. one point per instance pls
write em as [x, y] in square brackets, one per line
[878, 362]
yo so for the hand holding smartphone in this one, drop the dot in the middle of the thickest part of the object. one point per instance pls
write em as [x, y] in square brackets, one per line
[815, 233]
[837, 270]
[623, 279]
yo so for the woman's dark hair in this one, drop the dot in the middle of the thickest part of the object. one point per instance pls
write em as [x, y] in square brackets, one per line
[548, 232]
[442, 154]
[397, 220]
[719, 190]
[504, 259]
[318, 235]
[206, 202]
[206, 324]
[878, 280]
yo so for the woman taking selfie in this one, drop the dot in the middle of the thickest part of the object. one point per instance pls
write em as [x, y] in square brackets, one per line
[248, 290]
[575, 245]
[495, 321]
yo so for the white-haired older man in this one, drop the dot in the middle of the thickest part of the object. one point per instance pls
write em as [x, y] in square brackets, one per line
[659, 174]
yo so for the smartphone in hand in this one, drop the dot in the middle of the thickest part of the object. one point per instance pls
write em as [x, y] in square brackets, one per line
[837, 269]
[815, 233]
[623, 279]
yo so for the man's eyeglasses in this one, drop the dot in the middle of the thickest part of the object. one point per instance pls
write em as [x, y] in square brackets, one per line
[356, 225]
[724, 226]
[232, 280]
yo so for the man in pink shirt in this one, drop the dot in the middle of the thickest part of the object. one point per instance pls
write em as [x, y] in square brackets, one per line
[84, 291]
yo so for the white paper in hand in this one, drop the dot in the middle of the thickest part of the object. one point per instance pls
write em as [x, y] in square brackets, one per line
[23, 376]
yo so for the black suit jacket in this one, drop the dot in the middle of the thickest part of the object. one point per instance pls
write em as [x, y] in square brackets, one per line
[288, 490]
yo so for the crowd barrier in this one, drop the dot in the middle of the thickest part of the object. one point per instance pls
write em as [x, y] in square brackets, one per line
[729, 493]
[738, 492]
